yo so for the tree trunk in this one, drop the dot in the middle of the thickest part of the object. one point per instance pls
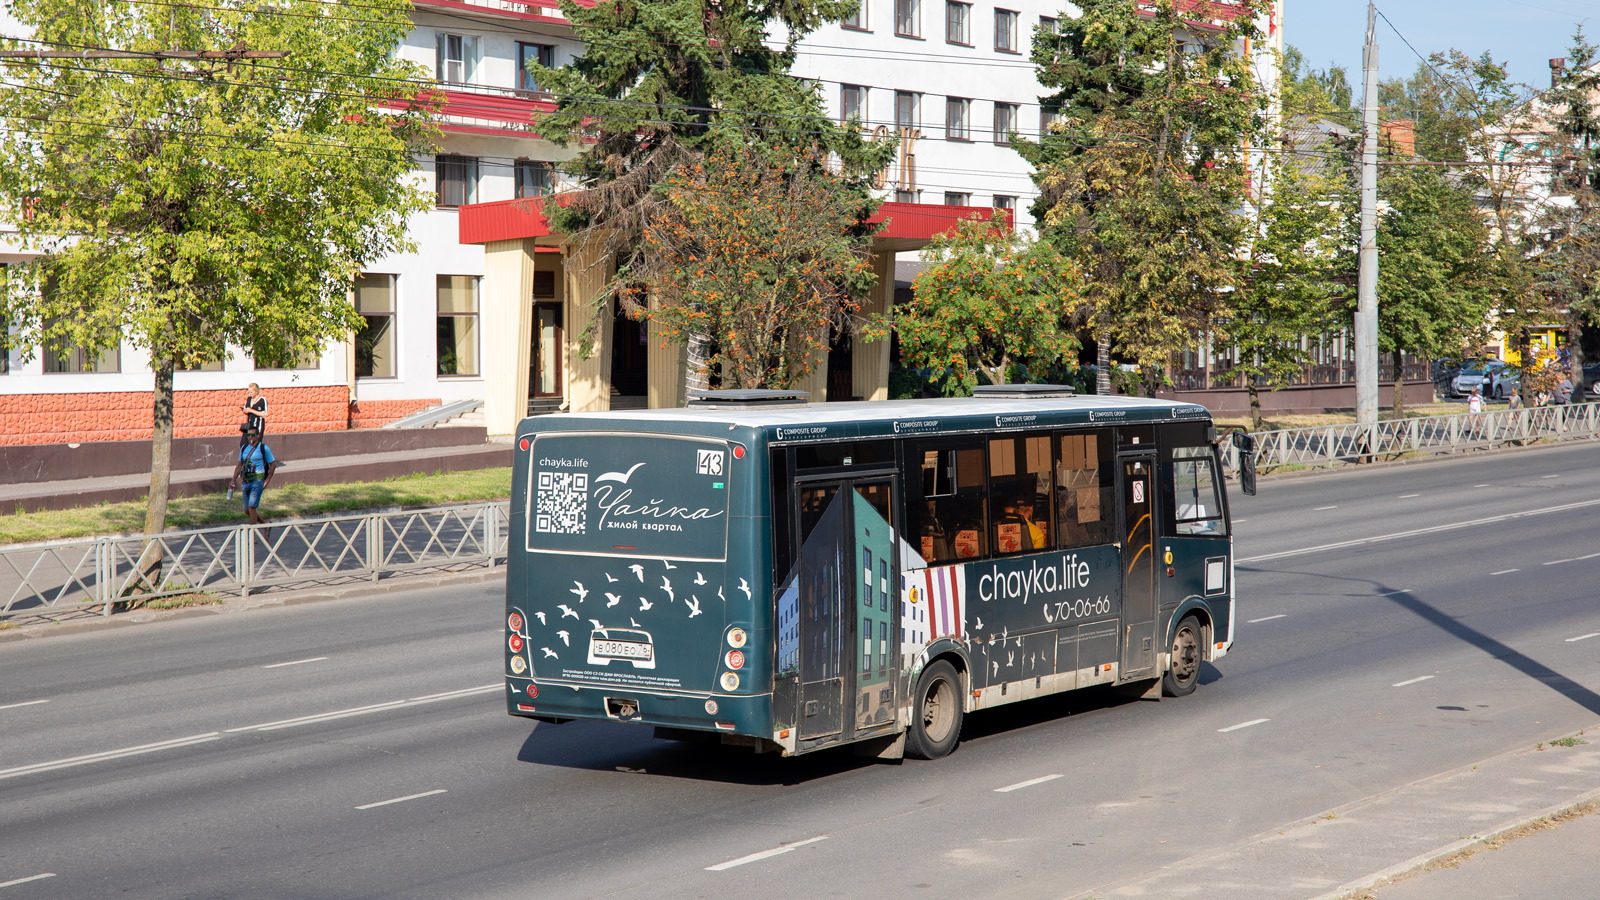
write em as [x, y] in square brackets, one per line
[1255, 405]
[155, 516]
[697, 375]
[1399, 388]
[1523, 388]
[1575, 355]
[1102, 366]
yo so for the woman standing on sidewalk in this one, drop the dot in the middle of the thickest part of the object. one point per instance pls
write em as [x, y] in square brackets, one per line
[255, 414]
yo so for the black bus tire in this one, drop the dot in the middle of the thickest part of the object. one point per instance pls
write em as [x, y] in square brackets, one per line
[936, 712]
[1183, 671]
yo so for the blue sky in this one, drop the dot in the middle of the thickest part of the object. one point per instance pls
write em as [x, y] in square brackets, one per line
[1523, 33]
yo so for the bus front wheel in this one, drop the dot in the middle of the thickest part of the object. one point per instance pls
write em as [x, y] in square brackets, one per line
[1183, 672]
[935, 713]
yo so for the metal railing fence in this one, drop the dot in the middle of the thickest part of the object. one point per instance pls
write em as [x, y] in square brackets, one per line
[1330, 445]
[241, 559]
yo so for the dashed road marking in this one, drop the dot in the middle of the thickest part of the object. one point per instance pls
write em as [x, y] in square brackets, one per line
[1505, 571]
[40, 877]
[108, 755]
[24, 703]
[1321, 508]
[1267, 618]
[1556, 475]
[1412, 681]
[403, 799]
[765, 854]
[1022, 784]
[1393, 592]
[1243, 725]
[1557, 562]
[1407, 496]
[295, 662]
[1480, 485]
[1584, 637]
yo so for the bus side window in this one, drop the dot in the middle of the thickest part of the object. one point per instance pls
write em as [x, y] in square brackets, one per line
[1197, 509]
[947, 515]
[1085, 512]
[1020, 487]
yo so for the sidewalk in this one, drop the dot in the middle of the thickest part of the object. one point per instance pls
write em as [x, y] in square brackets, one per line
[1559, 863]
[1357, 850]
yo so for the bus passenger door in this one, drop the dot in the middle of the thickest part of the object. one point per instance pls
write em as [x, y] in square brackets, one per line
[879, 637]
[1137, 493]
[824, 568]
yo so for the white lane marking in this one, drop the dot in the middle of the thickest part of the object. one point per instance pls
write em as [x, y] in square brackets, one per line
[38, 877]
[1557, 562]
[1239, 521]
[1321, 508]
[1557, 475]
[363, 710]
[1412, 681]
[765, 854]
[403, 799]
[109, 754]
[1243, 725]
[1407, 496]
[1432, 529]
[1392, 593]
[1505, 571]
[1480, 485]
[23, 703]
[1268, 618]
[1022, 784]
[295, 662]
[1584, 637]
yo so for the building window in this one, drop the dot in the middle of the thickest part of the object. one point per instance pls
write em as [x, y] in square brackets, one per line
[1047, 115]
[857, 20]
[534, 179]
[852, 103]
[1005, 122]
[77, 359]
[458, 58]
[456, 180]
[905, 110]
[1048, 25]
[457, 328]
[906, 196]
[1009, 205]
[956, 110]
[375, 343]
[1005, 31]
[908, 18]
[543, 54]
[957, 23]
[214, 365]
[955, 198]
[304, 361]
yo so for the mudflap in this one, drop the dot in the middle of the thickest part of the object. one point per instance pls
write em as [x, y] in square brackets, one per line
[891, 748]
[1143, 689]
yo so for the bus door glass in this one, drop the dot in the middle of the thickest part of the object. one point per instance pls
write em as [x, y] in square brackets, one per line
[821, 626]
[874, 553]
[1137, 493]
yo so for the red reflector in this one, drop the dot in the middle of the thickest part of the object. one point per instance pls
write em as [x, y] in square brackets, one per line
[525, 708]
[515, 643]
[525, 443]
[533, 689]
[738, 453]
[735, 659]
[724, 726]
[622, 547]
[515, 621]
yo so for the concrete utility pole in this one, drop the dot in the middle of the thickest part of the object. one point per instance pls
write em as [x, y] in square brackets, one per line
[1366, 326]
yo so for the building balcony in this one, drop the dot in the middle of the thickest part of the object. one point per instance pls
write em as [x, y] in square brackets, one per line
[476, 109]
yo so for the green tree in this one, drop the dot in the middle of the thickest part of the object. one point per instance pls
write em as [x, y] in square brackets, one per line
[990, 305]
[186, 206]
[1570, 270]
[662, 84]
[1451, 97]
[1142, 176]
[759, 255]
[1298, 238]
[1318, 92]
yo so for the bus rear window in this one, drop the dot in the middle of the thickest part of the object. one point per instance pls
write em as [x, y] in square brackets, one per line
[628, 495]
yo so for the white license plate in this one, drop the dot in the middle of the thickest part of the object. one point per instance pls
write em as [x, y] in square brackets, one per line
[622, 650]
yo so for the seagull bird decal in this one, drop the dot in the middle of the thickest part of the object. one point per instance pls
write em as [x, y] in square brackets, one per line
[612, 599]
[694, 605]
[644, 605]
[720, 597]
[699, 579]
[637, 570]
[549, 653]
[745, 586]
[566, 610]
[667, 586]
[621, 477]
[597, 625]
[632, 621]
[668, 565]
[580, 590]
[979, 624]
[564, 638]
[610, 579]
[540, 614]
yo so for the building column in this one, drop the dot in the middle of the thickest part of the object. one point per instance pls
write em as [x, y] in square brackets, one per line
[869, 362]
[506, 320]
[588, 381]
[668, 361]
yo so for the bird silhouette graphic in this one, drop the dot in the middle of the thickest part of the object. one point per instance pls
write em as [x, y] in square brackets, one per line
[564, 638]
[720, 597]
[612, 599]
[644, 605]
[979, 623]
[745, 586]
[549, 653]
[597, 625]
[580, 590]
[632, 621]
[694, 605]
[610, 579]
[540, 614]
[667, 586]
[668, 565]
[699, 579]
[566, 610]
[638, 571]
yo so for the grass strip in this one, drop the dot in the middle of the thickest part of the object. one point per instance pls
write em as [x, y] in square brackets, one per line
[289, 501]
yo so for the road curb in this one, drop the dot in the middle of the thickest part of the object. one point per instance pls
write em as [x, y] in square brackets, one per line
[1418, 864]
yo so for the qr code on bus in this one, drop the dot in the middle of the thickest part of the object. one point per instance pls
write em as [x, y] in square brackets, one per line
[563, 500]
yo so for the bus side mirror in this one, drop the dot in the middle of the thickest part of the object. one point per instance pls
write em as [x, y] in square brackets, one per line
[1246, 447]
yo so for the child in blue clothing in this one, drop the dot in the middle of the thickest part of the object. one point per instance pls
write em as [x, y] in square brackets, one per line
[252, 472]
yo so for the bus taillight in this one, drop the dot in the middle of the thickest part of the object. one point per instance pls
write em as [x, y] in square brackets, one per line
[515, 622]
[735, 659]
[515, 643]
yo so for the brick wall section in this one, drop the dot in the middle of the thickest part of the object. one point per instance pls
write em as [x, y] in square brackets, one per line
[375, 413]
[126, 415]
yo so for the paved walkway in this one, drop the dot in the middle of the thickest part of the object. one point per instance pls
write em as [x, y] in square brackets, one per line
[1561, 863]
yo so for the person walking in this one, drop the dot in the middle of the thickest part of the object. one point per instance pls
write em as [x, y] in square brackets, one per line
[253, 472]
[255, 414]
[1475, 411]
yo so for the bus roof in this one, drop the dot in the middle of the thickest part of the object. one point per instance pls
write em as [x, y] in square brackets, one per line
[824, 421]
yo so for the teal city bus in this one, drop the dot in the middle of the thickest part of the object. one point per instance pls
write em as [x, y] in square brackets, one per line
[761, 571]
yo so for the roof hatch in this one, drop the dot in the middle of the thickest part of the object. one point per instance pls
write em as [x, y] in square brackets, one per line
[1022, 391]
[745, 398]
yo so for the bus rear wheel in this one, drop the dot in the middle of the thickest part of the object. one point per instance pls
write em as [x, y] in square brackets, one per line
[1183, 672]
[935, 713]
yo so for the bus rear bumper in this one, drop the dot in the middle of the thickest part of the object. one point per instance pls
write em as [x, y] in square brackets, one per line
[736, 714]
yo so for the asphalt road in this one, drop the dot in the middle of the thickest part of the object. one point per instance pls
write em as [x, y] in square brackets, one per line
[359, 748]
